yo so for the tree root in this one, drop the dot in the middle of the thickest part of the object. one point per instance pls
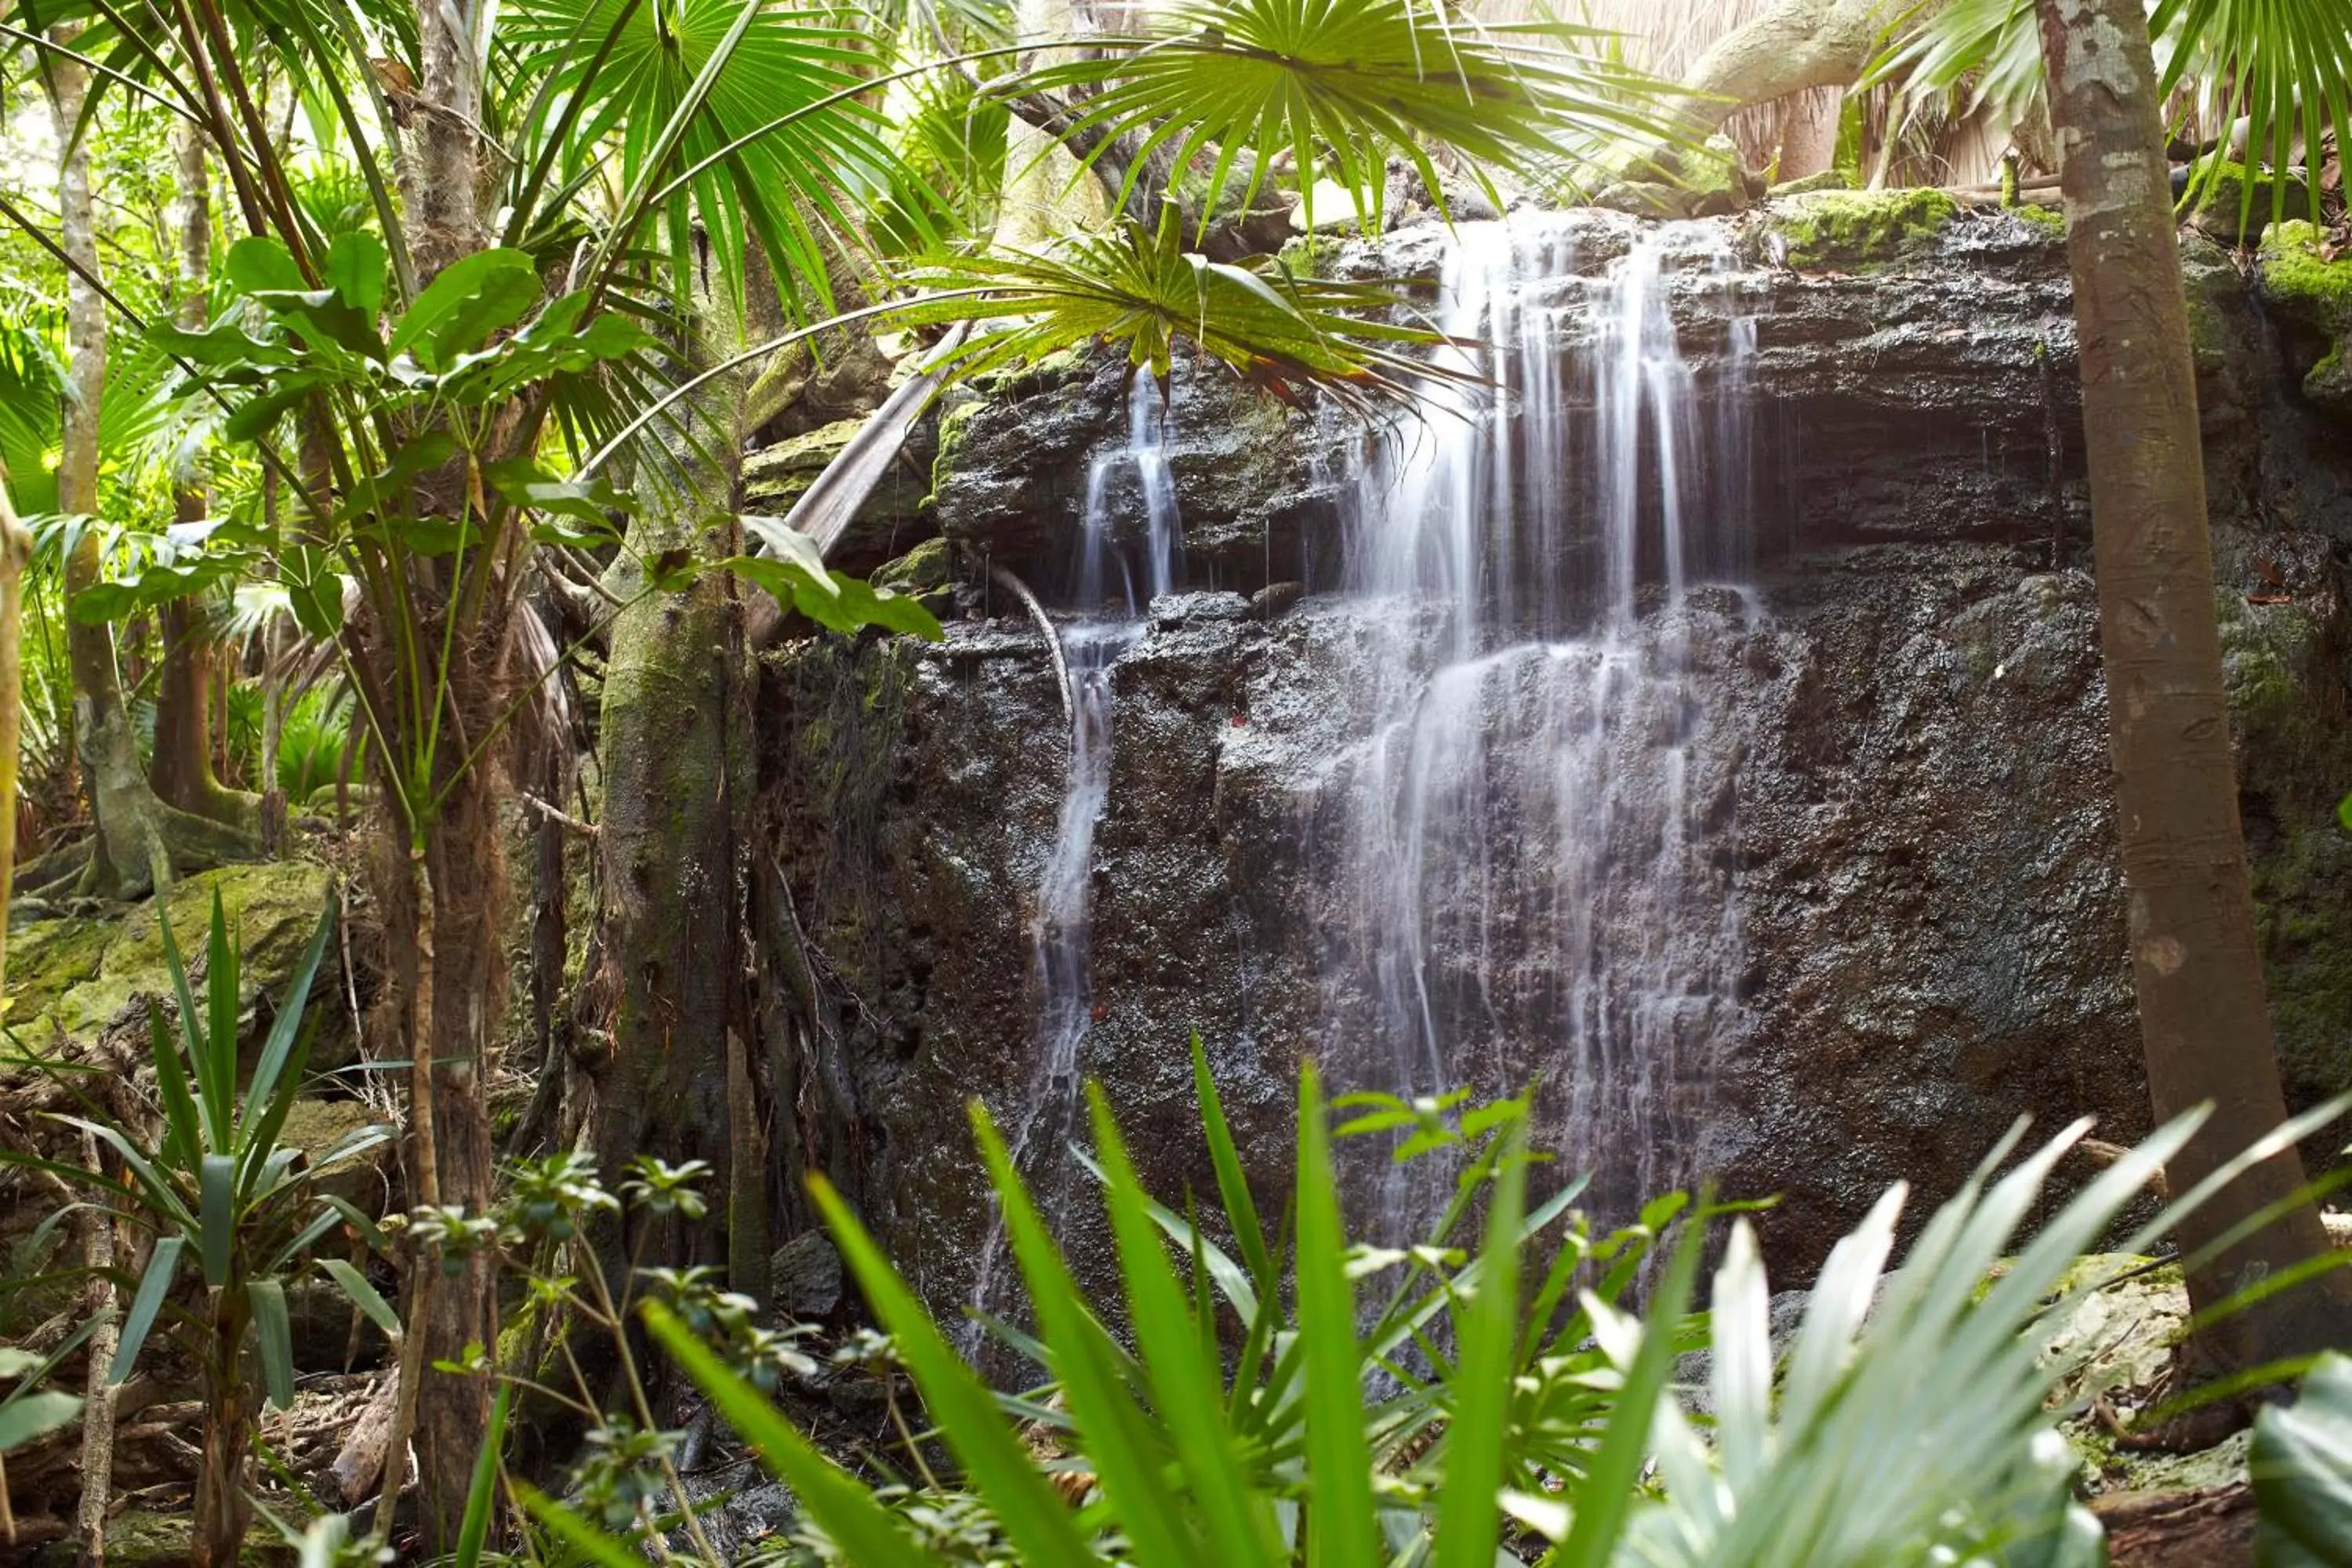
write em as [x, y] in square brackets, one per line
[1004, 578]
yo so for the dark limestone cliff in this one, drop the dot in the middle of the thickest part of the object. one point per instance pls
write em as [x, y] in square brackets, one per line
[1910, 754]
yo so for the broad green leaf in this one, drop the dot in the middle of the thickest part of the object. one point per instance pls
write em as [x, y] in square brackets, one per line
[261, 264]
[224, 348]
[591, 501]
[471, 298]
[356, 270]
[787, 544]
[387, 491]
[328, 325]
[837, 1501]
[153, 1285]
[2301, 1466]
[32, 1416]
[103, 602]
[314, 589]
[837, 602]
[272, 1328]
[258, 415]
[363, 1295]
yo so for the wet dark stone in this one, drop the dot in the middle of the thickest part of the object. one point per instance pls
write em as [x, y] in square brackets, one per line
[1916, 816]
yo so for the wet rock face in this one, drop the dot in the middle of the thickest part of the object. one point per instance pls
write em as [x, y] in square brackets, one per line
[1907, 723]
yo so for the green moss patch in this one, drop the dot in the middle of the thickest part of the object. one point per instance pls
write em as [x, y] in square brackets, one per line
[76, 976]
[2048, 222]
[2312, 291]
[1859, 228]
[2235, 209]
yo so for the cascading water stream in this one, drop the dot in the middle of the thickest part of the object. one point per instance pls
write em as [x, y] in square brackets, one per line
[1534, 860]
[1115, 577]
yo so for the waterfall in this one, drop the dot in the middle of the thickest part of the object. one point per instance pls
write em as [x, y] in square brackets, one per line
[1118, 572]
[1534, 857]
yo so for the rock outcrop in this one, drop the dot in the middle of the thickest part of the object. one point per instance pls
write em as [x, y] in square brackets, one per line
[1917, 829]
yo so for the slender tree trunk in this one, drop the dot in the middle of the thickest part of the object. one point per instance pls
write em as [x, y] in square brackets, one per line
[273, 735]
[181, 772]
[129, 855]
[1808, 136]
[223, 1511]
[99, 1391]
[2204, 1017]
[447, 890]
[16, 551]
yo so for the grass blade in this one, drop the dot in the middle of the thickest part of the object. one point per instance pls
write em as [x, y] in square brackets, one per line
[1469, 1524]
[1232, 1186]
[999, 1468]
[1186, 1382]
[216, 1216]
[587, 1542]
[221, 1007]
[286, 1029]
[1344, 1532]
[362, 1294]
[476, 1527]
[153, 1285]
[1119, 1441]
[213, 1097]
[863, 1528]
[1606, 1497]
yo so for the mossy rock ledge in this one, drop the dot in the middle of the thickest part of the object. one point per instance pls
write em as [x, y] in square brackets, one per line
[76, 976]
[2309, 289]
[1853, 229]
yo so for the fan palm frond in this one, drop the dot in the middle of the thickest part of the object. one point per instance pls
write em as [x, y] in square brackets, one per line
[1141, 288]
[2271, 77]
[1349, 84]
[782, 76]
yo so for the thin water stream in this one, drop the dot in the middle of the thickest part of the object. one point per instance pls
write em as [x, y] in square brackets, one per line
[1119, 570]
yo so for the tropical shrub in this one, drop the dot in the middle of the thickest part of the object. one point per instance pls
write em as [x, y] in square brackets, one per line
[1294, 1399]
[230, 1212]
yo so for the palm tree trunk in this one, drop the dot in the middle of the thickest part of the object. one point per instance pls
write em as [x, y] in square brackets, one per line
[2204, 1017]
[673, 740]
[452, 884]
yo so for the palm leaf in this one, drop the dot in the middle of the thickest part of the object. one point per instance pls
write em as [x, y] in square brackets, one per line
[2284, 67]
[1350, 83]
[1141, 288]
[680, 79]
